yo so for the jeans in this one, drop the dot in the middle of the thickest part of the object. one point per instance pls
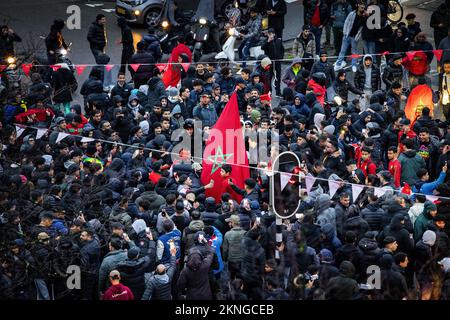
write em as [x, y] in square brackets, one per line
[318, 35]
[369, 47]
[41, 289]
[244, 49]
[96, 52]
[346, 43]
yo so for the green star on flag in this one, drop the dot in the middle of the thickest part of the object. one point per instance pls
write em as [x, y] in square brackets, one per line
[219, 156]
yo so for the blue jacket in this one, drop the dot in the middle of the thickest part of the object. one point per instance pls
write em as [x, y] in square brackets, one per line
[207, 115]
[176, 236]
[217, 243]
[227, 85]
[429, 187]
[300, 110]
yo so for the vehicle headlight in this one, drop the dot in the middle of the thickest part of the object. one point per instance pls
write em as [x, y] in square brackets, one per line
[202, 21]
[165, 24]
[137, 12]
[231, 31]
[11, 60]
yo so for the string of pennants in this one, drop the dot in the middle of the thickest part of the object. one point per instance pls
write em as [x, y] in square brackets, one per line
[80, 68]
[333, 185]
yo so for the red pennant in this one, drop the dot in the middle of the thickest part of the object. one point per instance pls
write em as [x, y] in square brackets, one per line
[410, 55]
[266, 97]
[385, 53]
[185, 66]
[356, 56]
[108, 67]
[55, 67]
[2, 67]
[80, 68]
[406, 189]
[161, 66]
[135, 66]
[438, 54]
[26, 67]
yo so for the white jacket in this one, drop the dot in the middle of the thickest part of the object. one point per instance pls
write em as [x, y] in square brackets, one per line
[348, 24]
[415, 211]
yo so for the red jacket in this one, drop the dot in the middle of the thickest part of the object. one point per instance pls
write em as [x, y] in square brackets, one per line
[225, 187]
[368, 167]
[154, 177]
[41, 115]
[395, 168]
[75, 130]
[118, 292]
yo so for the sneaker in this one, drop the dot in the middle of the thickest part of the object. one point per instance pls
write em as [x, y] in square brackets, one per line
[337, 67]
[354, 69]
[343, 64]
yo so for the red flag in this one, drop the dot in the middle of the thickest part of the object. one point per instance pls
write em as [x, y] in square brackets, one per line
[406, 189]
[161, 66]
[225, 145]
[26, 67]
[135, 66]
[108, 67]
[55, 67]
[438, 54]
[410, 54]
[172, 75]
[80, 68]
[385, 53]
[421, 96]
[185, 66]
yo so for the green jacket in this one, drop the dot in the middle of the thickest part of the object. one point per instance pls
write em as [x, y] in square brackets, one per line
[411, 162]
[232, 245]
[420, 226]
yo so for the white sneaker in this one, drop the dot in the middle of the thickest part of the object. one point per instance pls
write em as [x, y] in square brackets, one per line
[354, 69]
[337, 67]
[343, 64]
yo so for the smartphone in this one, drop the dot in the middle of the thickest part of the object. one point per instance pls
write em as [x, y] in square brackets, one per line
[147, 230]
[258, 220]
[314, 277]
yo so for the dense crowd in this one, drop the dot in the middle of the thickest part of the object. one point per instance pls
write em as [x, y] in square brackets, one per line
[110, 199]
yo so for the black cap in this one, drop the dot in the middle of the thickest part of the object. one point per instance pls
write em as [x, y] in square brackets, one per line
[389, 240]
[251, 183]
[271, 30]
[405, 122]
[240, 80]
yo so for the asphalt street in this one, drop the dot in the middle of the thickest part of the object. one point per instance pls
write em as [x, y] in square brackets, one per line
[32, 19]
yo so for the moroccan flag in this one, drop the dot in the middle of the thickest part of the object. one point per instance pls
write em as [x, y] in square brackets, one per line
[225, 145]
[172, 75]
[406, 189]
[421, 96]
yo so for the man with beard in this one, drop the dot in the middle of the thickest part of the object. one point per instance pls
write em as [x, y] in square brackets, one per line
[333, 159]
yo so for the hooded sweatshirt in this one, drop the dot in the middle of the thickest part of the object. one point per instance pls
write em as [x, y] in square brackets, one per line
[118, 292]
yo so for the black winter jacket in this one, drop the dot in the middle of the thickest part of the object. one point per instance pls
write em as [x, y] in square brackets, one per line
[97, 36]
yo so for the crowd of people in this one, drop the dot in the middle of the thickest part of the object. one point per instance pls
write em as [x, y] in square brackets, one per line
[109, 199]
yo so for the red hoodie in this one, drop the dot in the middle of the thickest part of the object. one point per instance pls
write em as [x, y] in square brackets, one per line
[118, 292]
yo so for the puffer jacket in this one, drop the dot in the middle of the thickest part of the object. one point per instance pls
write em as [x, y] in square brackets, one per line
[304, 48]
[153, 46]
[253, 260]
[232, 245]
[360, 76]
[398, 231]
[145, 70]
[132, 272]
[325, 214]
[326, 68]
[392, 73]
[373, 214]
[97, 36]
[119, 214]
[253, 28]
[369, 249]
[156, 90]
[158, 286]
[207, 115]
[330, 239]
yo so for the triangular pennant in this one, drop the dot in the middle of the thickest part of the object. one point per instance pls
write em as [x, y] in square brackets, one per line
[284, 179]
[40, 133]
[26, 67]
[356, 56]
[379, 192]
[309, 181]
[135, 66]
[161, 66]
[55, 67]
[356, 191]
[2, 67]
[432, 198]
[185, 66]
[410, 55]
[438, 54]
[80, 68]
[385, 53]
[19, 131]
[86, 139]
[108, 67]
[334, 186]
[61, 136]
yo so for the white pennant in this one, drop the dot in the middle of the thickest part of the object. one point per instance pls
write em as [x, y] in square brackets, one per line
[379, 192]
[284, 179]
[356, 191]
[61, 136]
[431, 198]
[334, 186]
[19, 131]
[86, 139]
[40, 133]
[309, 181]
